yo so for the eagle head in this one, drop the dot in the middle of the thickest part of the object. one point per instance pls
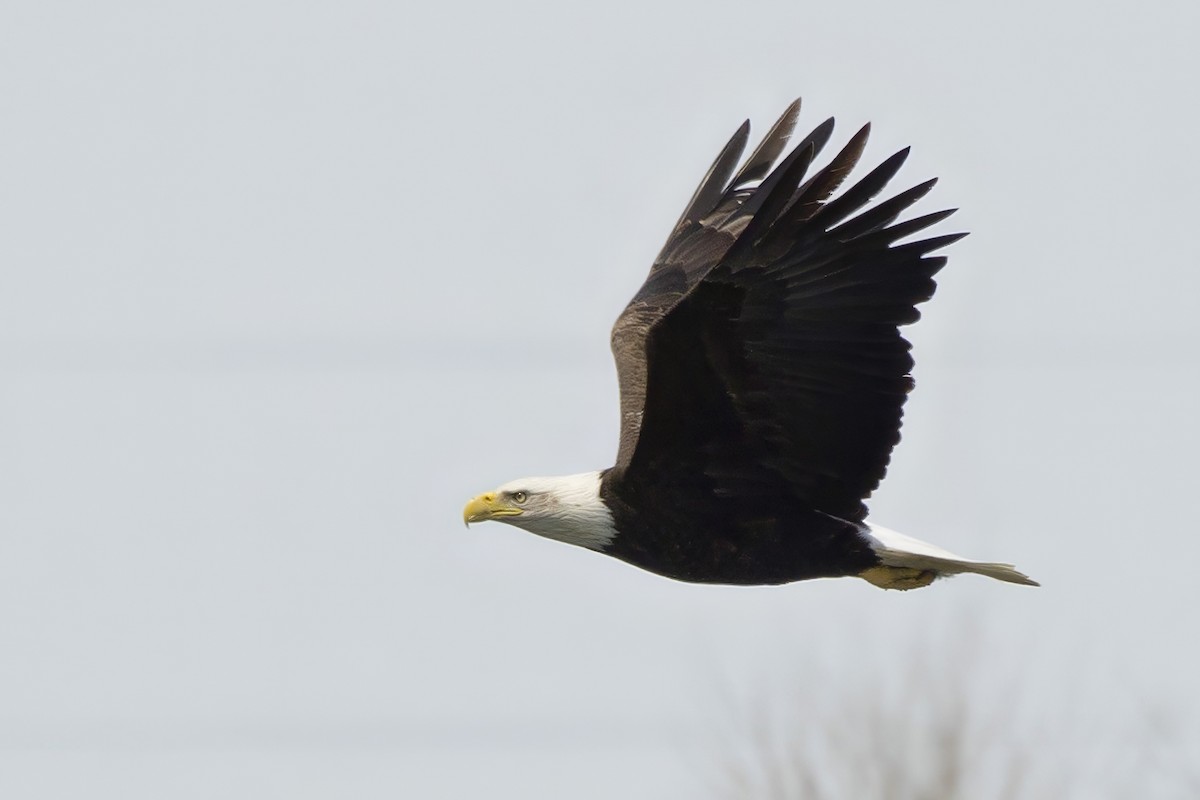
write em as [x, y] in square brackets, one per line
[567, 508]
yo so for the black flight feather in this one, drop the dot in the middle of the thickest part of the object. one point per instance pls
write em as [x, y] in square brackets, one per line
[760, 161]
[860, 193]
[883, 214]
[712, 186]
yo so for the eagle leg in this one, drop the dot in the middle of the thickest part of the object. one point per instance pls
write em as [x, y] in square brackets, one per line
[902, 578]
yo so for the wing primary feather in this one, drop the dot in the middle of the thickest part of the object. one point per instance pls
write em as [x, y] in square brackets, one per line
[760, 161]
[771, 198]
[759, 196]
[818, 138]
[883, 214]
[928, 245]
[712, 186]
[862, 192]
[819, 187]
[887, 236]
[826, 182]
[900, 230]
[758, 165]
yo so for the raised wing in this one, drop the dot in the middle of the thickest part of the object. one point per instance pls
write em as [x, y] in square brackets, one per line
[780, 369]
[708, 227]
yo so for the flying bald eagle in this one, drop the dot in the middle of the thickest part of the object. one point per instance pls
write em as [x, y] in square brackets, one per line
[762, 378]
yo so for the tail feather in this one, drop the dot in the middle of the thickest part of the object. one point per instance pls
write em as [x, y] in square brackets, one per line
[897, 550]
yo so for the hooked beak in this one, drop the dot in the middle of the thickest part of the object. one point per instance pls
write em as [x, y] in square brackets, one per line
[488, 506]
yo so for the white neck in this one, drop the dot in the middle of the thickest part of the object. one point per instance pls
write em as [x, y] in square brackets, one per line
[567, 508]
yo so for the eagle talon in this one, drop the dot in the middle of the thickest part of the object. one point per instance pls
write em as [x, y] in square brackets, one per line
[901, 578]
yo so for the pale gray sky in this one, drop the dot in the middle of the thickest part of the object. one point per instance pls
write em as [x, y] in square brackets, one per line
[283, 284]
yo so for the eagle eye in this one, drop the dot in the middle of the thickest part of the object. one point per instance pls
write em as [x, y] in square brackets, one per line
[519, 497]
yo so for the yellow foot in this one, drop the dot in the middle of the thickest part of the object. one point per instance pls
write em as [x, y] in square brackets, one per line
[898, 577]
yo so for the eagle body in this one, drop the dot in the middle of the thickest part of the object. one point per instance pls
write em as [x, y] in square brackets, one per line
[762, 380]
[690, 534]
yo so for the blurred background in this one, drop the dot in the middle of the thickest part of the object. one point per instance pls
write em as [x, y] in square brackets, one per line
[283, 284]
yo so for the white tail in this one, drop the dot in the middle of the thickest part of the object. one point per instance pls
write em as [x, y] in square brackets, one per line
[897, 550]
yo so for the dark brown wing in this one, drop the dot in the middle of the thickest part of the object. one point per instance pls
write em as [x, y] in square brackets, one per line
[781, 367]
[708, 227]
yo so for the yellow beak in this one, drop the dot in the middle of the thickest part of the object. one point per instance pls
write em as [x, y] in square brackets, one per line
[488, 506]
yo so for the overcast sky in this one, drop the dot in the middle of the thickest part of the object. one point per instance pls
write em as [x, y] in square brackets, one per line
[283, 284]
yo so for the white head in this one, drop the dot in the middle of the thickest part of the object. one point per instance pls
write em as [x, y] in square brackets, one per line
[567, 508]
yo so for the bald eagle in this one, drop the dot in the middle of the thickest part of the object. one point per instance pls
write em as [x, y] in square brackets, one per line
[762, 379]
